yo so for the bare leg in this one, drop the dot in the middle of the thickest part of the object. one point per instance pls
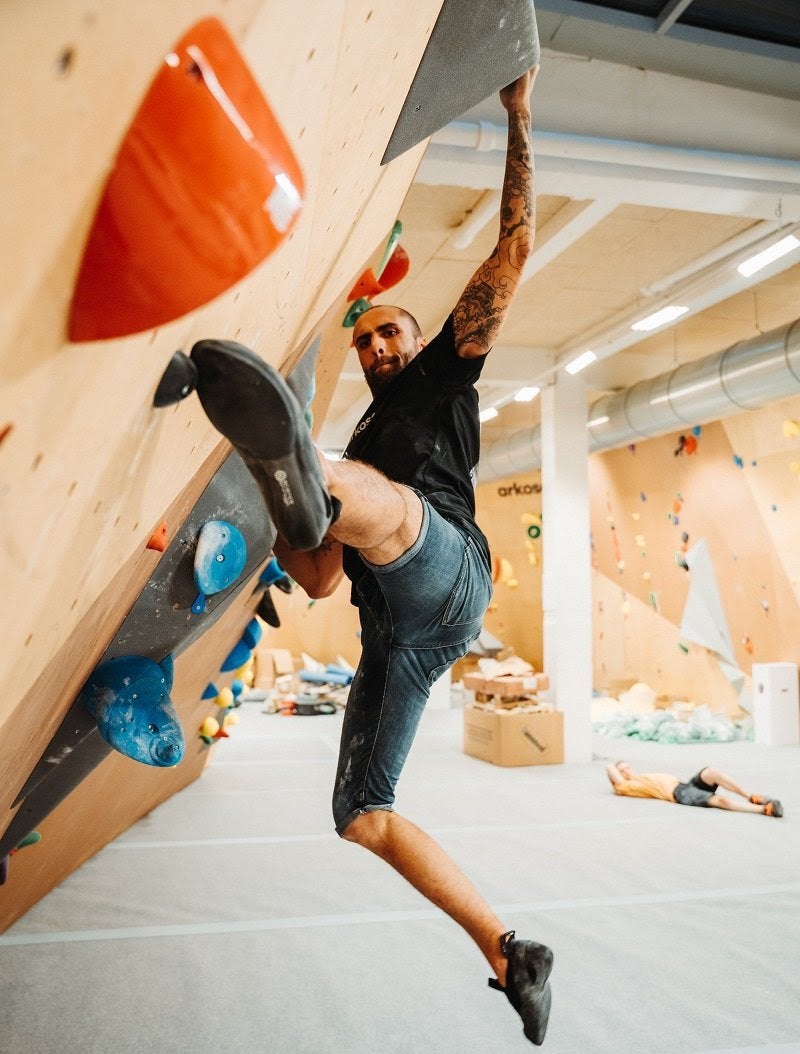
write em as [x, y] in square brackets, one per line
[718, 801]
[423, 863]
[380, 518]
[711, 776]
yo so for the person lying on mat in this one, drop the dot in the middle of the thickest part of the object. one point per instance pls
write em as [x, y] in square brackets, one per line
[397, 516]
[700, 790]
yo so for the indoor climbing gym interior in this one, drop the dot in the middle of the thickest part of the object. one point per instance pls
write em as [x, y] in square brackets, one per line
[181, 179]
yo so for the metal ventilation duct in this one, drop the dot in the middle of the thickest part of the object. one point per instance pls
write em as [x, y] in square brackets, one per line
[746, 376]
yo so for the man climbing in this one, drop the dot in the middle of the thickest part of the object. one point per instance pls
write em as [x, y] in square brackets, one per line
[397, 515]
[701, 790]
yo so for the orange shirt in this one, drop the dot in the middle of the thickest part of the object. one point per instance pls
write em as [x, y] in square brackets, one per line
[648, 785]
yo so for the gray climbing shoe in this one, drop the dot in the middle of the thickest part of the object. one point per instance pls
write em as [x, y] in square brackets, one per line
[252, 405]
[527, 986]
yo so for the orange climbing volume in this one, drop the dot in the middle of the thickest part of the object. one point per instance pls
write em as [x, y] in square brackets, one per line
[204, 187]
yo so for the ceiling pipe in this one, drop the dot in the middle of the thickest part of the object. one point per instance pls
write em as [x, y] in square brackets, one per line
[487, 209]
[484, 136]
[745, 376]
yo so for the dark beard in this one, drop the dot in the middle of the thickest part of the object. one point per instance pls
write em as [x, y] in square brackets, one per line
[379, 382]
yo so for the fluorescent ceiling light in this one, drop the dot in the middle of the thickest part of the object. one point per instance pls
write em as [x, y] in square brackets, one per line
[525, 395]
[774, 252]
[581, 362]
[598, 421]
[488, 413]
[660, 318]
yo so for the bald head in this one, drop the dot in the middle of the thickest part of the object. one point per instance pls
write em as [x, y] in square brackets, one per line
[386, 339]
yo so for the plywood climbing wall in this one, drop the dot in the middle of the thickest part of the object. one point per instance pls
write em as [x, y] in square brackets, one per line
[88, 467]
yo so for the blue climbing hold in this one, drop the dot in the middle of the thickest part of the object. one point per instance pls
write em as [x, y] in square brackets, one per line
[211, 691]
[218, 561]
[252, 633]
[272, 573]
[129, 698]
[238, 657]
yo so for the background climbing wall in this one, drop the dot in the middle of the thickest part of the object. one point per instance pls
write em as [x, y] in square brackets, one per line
[738, 492]
[89, 468]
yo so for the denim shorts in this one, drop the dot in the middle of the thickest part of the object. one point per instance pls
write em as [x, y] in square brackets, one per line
[419, 614]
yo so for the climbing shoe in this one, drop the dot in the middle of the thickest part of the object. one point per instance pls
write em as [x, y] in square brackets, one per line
[772, 807]
[527, 986]
[251, 404]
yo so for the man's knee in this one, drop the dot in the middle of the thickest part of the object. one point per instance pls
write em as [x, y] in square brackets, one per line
[710, 776]
[716, 801]
[367, 829]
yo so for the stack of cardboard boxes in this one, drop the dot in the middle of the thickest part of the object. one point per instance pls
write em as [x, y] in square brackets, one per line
[510, 721]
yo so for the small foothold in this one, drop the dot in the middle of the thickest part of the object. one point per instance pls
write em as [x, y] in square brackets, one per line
[5, 431]
[30, 839]
[178, 380]
[158, 539]
[211, 691]
[225, 699]
[209, 728]
[199, 606]
[683, 648]
[355, 311]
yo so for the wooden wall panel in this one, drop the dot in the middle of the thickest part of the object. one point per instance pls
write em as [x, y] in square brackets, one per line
[89, 468]
[515, 615]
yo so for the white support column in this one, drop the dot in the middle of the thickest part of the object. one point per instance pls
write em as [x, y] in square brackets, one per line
[566, 560]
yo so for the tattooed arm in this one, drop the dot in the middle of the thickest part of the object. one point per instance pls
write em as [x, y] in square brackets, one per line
[482, 309]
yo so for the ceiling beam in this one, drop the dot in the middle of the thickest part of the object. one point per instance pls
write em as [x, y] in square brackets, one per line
[669, 14]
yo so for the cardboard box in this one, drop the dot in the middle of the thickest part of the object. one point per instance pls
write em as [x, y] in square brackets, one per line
[271, 663]
[514, 737]
[474, 682]
[511, 686]
[507, 687]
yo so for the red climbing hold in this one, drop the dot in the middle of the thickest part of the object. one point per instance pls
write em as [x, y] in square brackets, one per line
[158, 539]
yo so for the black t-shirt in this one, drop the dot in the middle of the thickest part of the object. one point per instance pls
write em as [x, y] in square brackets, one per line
[423, 430]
